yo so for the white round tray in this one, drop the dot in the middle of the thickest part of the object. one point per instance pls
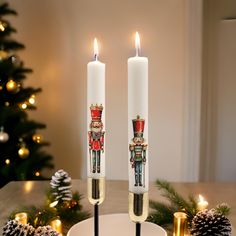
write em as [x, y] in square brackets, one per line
[115, 225]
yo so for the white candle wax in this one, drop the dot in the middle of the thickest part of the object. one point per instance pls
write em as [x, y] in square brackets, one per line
[96, 117]
[138, 123]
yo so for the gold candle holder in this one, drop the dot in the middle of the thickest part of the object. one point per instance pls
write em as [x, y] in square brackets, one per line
[180, 224]
[56, 225]
[22, 217]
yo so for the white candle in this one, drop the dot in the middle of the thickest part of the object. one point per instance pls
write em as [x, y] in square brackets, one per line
[202, 203]
[138, 121]
[96, 116]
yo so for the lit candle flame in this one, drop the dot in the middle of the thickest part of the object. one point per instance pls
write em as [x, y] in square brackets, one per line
[137, 43]
[202, 203]
[201, 198]
[95, 49]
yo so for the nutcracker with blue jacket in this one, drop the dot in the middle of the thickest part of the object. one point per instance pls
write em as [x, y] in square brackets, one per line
[138, 149]
[96, 138]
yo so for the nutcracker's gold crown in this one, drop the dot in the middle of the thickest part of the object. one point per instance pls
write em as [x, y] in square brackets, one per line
[96, 107]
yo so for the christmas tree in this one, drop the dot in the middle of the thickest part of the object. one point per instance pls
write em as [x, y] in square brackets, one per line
[21, 154]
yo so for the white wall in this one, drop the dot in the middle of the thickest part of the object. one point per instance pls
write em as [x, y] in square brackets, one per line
[58, 35]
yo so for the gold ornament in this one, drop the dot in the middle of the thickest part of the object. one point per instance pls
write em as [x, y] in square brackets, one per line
[1, 88]
[12, 86]
[3, 54]
[23, 152]
[37, 138]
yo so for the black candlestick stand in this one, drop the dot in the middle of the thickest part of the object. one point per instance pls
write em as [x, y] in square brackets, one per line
[138, 229]
[96, 220]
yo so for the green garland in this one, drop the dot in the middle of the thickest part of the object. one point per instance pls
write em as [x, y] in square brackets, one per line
[162, 212]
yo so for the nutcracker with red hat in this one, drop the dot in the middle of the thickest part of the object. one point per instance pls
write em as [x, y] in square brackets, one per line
[96, 138]
[138, 149]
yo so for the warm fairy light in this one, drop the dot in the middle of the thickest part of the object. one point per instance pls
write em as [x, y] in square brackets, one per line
[202, 203]
[95, 49]
[137, 43]
[53, 204]
[28, 186]
[23, 105]
[7, 161]
[37, 174]
[32, 100]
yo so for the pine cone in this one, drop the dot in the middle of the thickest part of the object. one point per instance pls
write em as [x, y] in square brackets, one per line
[45, 231]
[210, 223]
[14, 228]
[61, 186]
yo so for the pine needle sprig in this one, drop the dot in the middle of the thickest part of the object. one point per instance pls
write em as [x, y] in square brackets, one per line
[162, 213]
[223, 209]
[187, 206]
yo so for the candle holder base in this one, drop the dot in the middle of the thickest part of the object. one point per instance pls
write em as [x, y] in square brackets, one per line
[115, 225]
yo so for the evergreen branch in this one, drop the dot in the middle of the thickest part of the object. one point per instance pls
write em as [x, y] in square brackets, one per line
[6, 10]
[162, 214]
[170, 193]
[223, 208]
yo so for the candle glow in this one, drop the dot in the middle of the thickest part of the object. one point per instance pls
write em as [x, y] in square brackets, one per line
[137, 43]
[95, 49]
[202, 204]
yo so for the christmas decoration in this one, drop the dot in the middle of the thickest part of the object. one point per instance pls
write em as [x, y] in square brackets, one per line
[210, 223]
[3, 55]
[61, 208]
[12, 86]
[61, 186]
[14, 228]
[163, 212]
[3, 135]
[45, 231]
[23, 152]
[37, 138]
[16, 100]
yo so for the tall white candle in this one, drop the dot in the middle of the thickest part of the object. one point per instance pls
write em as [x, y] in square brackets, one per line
[96, 116]
[138, 121]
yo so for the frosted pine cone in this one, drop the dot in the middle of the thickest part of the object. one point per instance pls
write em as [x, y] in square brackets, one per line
[14, 228]
[210, 223]
[61, 186]
[45, 231]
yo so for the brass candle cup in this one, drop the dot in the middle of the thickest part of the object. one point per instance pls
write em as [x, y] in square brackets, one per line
[22, 217]
[180, 224]
[56, 225]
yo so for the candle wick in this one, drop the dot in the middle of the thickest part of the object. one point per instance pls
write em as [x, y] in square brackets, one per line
[96, 57]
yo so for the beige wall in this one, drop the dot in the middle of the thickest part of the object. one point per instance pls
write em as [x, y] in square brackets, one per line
[218, 110]
[58, 35]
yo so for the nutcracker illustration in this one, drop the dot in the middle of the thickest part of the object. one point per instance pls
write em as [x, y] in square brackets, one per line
[96, 138]
[138, 152]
